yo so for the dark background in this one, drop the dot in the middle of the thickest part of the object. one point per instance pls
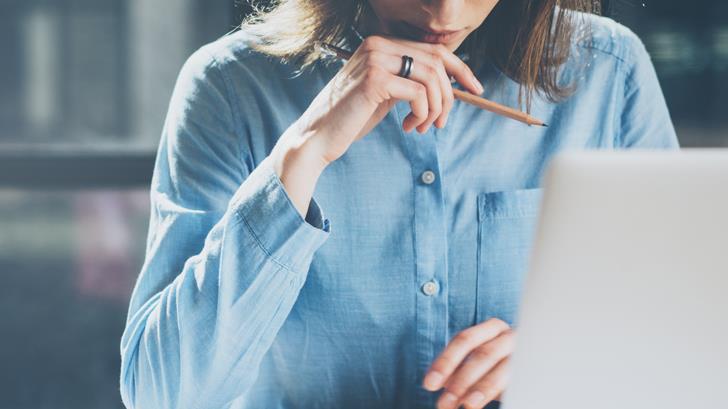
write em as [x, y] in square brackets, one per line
[84, 87]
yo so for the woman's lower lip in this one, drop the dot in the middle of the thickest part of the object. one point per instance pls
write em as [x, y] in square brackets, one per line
[438, 38]
[422, 36]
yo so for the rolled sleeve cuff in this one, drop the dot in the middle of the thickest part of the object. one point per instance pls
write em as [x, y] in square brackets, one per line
[265, 207]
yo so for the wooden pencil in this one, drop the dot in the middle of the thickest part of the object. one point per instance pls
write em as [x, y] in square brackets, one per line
[466, 97]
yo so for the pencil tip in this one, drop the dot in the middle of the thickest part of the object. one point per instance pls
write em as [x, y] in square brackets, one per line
[545, 125]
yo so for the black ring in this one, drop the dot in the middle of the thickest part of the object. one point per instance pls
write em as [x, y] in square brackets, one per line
[406, 69]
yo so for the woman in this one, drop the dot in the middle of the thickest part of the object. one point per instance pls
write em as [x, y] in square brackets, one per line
[307, 248]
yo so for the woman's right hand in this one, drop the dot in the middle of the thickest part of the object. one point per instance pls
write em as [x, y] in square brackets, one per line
[365, 89]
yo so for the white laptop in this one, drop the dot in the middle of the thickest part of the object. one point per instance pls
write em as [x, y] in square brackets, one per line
[625, 304]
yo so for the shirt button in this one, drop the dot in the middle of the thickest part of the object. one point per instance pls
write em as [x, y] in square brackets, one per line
[428, 177]
[429, 288]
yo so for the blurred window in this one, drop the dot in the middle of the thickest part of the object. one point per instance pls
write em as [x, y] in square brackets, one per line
[688, 42]
[97, 71]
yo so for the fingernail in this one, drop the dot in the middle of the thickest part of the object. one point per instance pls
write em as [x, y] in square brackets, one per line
[433, 380]
[478, 86]
[475, 399]
[448, 400]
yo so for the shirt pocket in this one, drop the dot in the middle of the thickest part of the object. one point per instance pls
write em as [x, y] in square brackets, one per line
[506, 227]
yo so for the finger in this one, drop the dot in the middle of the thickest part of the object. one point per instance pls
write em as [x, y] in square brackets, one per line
[458, 348]
[415, 93]
[448, 98]
[434, 73]
[453, 64]
[442, 59]
[428, 75]
[482, 360]
[488, 388]
[477, 365]
[421, 57]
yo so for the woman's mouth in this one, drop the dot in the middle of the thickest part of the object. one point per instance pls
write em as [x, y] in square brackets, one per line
[423, 35]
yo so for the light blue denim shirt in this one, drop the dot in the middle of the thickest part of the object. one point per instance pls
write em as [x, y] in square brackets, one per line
[409, 239]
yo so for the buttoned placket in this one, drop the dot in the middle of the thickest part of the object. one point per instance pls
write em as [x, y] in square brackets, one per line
[430, 241]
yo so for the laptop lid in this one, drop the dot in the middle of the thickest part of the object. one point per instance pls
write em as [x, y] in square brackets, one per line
[625, 303]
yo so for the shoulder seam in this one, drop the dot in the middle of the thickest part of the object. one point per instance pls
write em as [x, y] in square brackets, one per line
[592, 45]
[624, 65]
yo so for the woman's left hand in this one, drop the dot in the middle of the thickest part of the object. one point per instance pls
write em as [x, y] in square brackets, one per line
[473, 368]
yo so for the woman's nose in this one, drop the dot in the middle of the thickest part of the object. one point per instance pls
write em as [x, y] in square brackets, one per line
[445, 13]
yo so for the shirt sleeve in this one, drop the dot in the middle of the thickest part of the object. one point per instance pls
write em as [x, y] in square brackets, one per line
[226, 256]
[645, 120]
